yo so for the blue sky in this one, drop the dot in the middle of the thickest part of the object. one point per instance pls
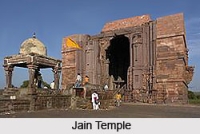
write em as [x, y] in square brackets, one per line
[53, 20]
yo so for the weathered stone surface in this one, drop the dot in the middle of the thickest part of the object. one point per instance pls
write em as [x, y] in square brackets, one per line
[124, 23]
[32, 56]
[172, 58]
[33, 45]
[146, 60]
[171, 25]
[150, 56]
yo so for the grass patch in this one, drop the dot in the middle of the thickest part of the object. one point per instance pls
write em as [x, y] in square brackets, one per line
[194, 101]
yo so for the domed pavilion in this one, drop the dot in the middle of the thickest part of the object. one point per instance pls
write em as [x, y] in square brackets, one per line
[32, 55]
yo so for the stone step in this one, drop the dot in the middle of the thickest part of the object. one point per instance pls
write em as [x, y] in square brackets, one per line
[10, 92]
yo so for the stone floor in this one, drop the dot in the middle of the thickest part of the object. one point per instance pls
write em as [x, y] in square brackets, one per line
[126, 110]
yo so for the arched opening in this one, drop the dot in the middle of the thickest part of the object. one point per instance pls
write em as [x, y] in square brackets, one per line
[119, 57]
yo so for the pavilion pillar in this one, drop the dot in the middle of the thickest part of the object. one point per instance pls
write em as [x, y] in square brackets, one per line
[8, 71]
[31, 87]
[56, 71]
[32, 70]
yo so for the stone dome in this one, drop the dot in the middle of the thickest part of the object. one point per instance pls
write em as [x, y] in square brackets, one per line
[33, 45]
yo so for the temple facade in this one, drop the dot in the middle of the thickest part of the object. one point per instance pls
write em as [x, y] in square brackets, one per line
[147, 59]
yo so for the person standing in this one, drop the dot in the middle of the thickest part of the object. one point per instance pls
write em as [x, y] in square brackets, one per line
[86, 81]
[39, 80]
[118, 99]
[105, 87]
[78, 80]
[52, 85]
[95, 100]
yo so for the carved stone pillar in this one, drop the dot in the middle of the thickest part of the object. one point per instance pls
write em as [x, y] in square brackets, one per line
[8, 71]
[107, 62]
[31, 87]
[56, 71]
[131, 50]
[32, 69]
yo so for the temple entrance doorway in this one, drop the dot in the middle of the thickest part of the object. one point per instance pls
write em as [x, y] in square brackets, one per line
[118, 54]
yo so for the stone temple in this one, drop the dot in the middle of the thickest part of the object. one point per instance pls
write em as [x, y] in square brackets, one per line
[145, 59]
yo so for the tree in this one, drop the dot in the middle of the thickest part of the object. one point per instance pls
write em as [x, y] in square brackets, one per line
[198, 96]
[45, 84]
[191, 95]
[26, 82]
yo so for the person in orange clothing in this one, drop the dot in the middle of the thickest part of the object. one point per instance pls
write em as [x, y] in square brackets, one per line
[86, 81]
[118, 97]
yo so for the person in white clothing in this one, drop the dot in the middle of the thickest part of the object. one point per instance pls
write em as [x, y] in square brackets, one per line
[95, 101]
[52, 85]
[105, 87]
[78, 80]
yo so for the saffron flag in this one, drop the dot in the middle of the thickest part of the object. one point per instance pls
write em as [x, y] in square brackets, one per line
[72, 44]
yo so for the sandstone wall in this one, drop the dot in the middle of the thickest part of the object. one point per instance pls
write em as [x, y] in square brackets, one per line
[161, 50]
[125, 23]
[72, 60]
[172, 59]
